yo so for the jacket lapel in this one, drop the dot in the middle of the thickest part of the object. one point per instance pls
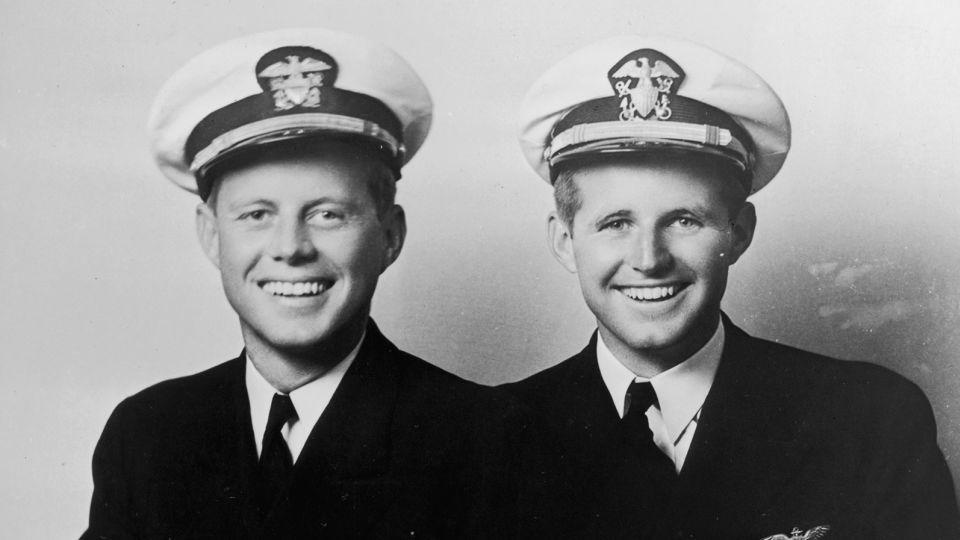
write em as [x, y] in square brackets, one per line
[609, 475]
[590, 413]
[746, 441]
[351, 438]
[228, 460]
[341, 480]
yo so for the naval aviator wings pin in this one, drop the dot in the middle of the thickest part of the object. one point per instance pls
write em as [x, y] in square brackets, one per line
[644, 80]
[294, 76]
[815, 533]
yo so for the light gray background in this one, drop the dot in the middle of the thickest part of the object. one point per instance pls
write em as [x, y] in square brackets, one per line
[106, 290]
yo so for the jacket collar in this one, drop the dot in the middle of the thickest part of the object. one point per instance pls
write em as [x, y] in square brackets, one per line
[309, 400]
[586, 400]
[351, 438]
[746, 434]
[681, 390]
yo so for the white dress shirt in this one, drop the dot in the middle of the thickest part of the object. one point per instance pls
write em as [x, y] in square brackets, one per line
[681, 391]
[309, 400]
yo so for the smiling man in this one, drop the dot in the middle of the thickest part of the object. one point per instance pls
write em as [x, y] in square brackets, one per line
[321, 427]
[673, 422]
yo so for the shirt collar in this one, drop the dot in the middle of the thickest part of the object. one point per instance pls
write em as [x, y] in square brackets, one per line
[681, 390]
[310, 400]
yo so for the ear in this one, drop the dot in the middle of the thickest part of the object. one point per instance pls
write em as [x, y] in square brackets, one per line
[394, 225]
[742, 227]
[208, 233]
[560, 239]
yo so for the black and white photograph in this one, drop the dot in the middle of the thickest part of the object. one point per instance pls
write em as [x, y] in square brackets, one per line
[538, 269]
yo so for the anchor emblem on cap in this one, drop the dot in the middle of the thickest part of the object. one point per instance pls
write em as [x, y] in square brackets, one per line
[644, 80]
[295, 79]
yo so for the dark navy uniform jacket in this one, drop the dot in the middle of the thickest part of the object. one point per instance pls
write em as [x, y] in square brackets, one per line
[787, 441]
[403, 450]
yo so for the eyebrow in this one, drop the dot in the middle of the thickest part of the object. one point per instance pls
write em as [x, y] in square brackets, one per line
[700, 210]
[307, 204]
[237, 205]
[346, 203]
[615, 214]
[329, 200]
[705, 212]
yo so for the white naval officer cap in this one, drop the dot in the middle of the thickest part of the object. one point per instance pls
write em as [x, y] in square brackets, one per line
[654, 94]
[282, 85]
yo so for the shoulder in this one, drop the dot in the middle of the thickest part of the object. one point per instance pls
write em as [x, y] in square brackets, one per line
[568, 371]
[172, 418]
[791, 366]
[830, 387]
[416, 373]
[570, 383]
[434, 405]
[380, 359]
[423, 388]
[182, 396]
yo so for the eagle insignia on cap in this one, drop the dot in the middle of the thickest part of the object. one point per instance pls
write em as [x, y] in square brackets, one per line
[643, 80]
[294, 76]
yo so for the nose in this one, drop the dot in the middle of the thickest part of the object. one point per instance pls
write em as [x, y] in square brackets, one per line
[291, 241]
[650, 253]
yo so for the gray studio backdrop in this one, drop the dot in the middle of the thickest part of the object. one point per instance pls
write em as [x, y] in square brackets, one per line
[106, 290]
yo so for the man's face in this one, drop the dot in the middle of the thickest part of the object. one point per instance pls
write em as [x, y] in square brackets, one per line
[299, 246]
[651, 244]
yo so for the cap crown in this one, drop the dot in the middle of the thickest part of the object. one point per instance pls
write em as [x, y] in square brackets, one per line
[282, 84]
[647, 93]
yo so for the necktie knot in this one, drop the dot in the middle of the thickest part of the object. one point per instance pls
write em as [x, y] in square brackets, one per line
[281, 412]
[640, 396]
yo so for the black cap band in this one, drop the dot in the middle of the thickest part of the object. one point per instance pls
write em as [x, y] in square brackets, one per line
[685, 110]
[260, 107]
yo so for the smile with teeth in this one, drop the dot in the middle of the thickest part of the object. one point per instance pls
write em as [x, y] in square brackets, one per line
[294, 288]
[651, 294]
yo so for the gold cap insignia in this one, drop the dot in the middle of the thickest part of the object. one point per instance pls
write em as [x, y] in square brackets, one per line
[644, 80]
[294, 76]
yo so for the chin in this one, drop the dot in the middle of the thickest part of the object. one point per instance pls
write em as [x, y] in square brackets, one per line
[297, 341]
[313, 334]
[291, 335]
[653, 341]
[652, 335]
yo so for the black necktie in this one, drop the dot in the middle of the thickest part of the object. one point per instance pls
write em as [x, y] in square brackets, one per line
[640, 396]
[275, 459]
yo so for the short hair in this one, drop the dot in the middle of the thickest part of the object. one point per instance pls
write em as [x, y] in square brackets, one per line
[566, 194]
[381, 185]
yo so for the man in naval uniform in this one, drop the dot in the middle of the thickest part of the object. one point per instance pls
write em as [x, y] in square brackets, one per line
[321, 427]
[673, 422]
